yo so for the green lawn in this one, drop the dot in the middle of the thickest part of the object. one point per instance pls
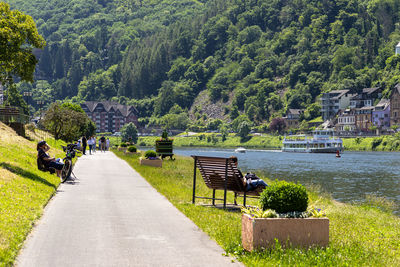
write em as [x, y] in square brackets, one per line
[359, 235]
[24, 190]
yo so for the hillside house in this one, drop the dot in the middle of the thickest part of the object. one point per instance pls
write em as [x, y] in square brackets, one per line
[397, 49]
[346, 121]
[364, 118]
[366, 98]
[110, 116]
[381, 114]
[395, 106]
[292, 119]
[334, 101]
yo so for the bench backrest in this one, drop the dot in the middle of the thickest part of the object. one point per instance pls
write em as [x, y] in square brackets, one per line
[215, 169]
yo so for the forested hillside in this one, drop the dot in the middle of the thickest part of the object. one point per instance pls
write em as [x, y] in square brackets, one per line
[257, 57]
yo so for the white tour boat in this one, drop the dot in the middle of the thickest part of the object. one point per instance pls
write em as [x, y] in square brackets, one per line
[240, 150]
[322, 141]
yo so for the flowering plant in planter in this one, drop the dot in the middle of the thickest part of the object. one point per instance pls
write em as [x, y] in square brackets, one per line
[150, 159]
[283, 215]
[150, 154]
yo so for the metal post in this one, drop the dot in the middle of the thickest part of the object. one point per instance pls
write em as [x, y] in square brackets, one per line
[194, 180]
[226, 181]
[213, 200]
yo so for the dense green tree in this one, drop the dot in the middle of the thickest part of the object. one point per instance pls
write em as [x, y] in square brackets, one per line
[67, 122]
[18, 38]
[14, 98]
[244, 129]
[129, 133]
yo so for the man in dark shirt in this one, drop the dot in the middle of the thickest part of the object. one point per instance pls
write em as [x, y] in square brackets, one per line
[42, 148]
[103, 144]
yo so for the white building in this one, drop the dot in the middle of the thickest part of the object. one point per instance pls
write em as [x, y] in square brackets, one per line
[346, 121]
[334, 101]
[397, 51]
[1, 95]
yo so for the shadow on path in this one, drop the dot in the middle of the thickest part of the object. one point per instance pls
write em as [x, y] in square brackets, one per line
[26, 174]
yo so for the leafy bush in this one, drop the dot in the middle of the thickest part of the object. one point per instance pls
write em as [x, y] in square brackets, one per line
[284, 197]
[150, 154]
[129, 133]
[31, 127]
[132, 149]
[123, 145]
[375, 143]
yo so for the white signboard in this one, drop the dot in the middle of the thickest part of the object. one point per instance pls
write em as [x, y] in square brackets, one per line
[1, 95]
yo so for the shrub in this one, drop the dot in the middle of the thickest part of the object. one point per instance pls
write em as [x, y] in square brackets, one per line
[132, 149]
[284, 197]
[375, 143]
[31, 127]
[123, 145]
[150, 154]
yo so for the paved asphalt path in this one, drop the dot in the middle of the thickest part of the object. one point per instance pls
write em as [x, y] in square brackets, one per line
[111, 216]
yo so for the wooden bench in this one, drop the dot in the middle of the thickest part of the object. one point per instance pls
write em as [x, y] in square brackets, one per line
[221, 174]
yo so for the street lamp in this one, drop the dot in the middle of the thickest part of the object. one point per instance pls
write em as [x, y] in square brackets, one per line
[40, 103]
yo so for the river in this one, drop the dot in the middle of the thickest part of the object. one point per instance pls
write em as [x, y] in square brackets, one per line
[347, 179]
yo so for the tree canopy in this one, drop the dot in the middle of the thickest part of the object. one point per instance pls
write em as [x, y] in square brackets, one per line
[256, 58]
[18, 38]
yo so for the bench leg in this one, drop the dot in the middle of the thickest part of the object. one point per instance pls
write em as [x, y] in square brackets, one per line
[244, 199]
[194, 181]
[235, 199]
[213, 200]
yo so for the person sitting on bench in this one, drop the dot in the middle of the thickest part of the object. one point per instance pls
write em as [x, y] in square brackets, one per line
[251, 181]
[42, 148]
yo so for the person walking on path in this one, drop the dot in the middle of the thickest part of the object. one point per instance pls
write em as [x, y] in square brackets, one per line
[103, 144]
[94, 143]
[108, 143]
[90, 144]
[84, 145]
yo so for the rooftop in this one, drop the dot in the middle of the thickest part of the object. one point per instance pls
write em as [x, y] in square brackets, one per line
[109, 105]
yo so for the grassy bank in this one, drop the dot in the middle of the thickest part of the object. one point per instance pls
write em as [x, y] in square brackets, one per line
[212, 139]
[24, 190]
[382, 143]
[359, 235]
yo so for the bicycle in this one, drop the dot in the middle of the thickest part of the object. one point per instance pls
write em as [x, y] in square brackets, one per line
[70, 153]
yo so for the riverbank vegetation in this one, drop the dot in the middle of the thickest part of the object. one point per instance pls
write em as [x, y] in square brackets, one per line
[360, 235]
[265, 141]
[217, 140]
[381, 143]
[24, 190]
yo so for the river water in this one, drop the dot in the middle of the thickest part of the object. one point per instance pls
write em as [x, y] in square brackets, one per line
[347, 179]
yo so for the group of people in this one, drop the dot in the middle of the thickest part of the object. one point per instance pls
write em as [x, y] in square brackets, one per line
[91, 143]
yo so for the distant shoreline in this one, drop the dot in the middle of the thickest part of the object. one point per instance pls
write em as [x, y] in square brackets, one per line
[389, 143]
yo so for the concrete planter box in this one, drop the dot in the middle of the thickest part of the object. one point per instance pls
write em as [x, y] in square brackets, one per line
[151, 162]
[299, 232]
